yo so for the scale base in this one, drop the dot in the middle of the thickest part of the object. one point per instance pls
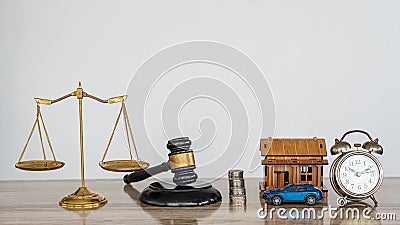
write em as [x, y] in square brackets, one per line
[83, 198]
[163, 194]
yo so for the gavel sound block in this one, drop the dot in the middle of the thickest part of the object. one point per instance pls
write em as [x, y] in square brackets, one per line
[186, 192]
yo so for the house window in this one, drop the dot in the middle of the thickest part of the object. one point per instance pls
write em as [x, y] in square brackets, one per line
[306, 169]
[306, 173]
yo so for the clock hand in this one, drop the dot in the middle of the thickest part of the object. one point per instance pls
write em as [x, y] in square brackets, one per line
[371, 171]
[365, 171]
[351, 170]
[358, 174]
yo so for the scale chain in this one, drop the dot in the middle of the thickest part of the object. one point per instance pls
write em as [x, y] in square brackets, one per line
[47, 136]
[27, 141]
[40, 132]
[130, 131]
[127, 130]
[112, 134]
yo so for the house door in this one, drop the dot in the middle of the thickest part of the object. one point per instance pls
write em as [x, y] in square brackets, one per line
[282, 178]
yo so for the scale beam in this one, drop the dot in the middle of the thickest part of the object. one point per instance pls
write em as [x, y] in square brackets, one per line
[80, 94]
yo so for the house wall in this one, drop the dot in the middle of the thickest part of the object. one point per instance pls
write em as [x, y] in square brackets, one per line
[294, 175]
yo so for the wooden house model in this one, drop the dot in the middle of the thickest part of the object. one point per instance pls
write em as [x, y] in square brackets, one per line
[291, 161]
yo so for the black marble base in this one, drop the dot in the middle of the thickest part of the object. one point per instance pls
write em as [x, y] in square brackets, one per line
[163, 194]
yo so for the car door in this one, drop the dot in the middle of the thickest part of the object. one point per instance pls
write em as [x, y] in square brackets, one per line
[291, 194]
[301, 193]
[297, 193]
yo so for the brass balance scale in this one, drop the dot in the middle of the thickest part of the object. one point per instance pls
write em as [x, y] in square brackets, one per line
[83, 197]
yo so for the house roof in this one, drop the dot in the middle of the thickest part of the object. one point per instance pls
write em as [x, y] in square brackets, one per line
[293, 147]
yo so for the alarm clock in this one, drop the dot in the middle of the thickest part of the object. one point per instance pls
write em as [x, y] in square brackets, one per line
[356, 174]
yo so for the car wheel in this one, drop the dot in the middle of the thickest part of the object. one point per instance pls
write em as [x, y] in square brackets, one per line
[311, 200]
[276, 200]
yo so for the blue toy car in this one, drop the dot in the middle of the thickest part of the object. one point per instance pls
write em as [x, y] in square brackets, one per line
[294, 193]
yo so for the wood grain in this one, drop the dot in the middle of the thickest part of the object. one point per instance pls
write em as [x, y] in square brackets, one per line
[36, 202]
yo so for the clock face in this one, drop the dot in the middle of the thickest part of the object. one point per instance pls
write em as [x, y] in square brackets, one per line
[359, 174]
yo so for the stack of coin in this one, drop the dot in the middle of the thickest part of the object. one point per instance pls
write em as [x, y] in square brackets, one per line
[237, 190]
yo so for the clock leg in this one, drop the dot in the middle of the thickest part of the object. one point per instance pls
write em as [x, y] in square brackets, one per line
[373, 199]
[341, 201]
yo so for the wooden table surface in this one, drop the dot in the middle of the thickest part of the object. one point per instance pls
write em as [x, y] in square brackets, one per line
[36, 202]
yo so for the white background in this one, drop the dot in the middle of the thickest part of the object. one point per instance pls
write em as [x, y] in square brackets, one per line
[332, 66]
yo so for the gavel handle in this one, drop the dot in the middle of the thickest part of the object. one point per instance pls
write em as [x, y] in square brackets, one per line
[146, 173]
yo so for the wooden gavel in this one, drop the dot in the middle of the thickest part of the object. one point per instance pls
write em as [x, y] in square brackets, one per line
[181, 162]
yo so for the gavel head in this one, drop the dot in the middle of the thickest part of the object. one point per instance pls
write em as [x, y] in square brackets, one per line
[181, 161]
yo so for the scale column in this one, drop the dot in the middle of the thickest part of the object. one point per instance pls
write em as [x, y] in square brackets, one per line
[83, 197]
[79, 95]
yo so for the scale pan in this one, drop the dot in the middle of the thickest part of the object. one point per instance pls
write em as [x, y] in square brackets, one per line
[123, 165]
[39, 165]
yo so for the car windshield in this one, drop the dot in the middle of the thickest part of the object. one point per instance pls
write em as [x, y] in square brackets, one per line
[281, 189]
[295, 188]
[288, 187]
